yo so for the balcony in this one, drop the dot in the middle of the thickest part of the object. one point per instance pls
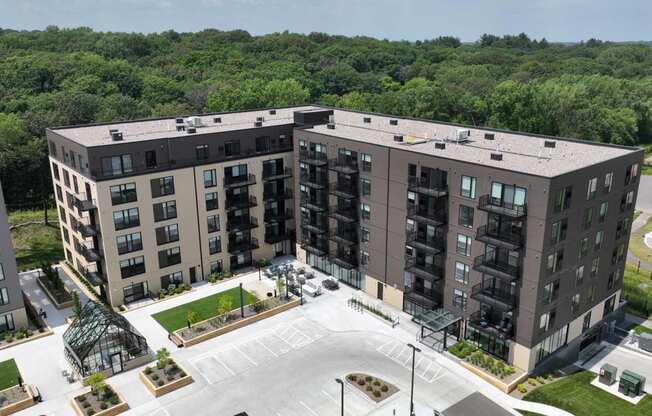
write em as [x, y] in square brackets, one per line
[316, 246]
[239, 246]
[427, 299]
[91, 255]
[276, 174]
[344, 237]
[499, 328]
[429, 244]
[344, 259]
[238, 181]
[86, 230]
[318, 180]
[313, 203]
[343, 190]
[431, 272]
[497, 296]
[497, 268]
[317, 227]
[435, 218]
[241, 202]
[278, 215]
[343, 214]
[499, 206]
[241, 223]
[94, 277]
[276, 236]
[345, 165]
[312, 157]
[277, 195]
[507, 238]
[83, 203]
[426, 186]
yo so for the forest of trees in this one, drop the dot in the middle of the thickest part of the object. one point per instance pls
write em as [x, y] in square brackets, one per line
[593, 90]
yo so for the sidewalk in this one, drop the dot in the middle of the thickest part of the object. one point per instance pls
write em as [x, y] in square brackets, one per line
[636, 225]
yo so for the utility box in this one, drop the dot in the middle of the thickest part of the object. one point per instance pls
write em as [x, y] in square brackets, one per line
[645, 342]
[631, 384]
[608, 374]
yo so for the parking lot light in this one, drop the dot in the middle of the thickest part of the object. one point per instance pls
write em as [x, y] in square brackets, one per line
[341, 383]
[414, 351]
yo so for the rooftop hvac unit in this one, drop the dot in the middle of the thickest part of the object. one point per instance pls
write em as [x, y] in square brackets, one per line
[194, 121]
[181, 127]
[489, 136]
[191, 130]
[462, 135]
[550, 144]
[393, 122]
[496, 156]
[272, 112]
[260, 118]
[217, 119]
[258, 124]
[116, 136]
[398, 138]
[330, 126]
[366, 119]
[180, 120]
[440, 146]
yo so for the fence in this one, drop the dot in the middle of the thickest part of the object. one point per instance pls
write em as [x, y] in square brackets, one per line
[361, 306]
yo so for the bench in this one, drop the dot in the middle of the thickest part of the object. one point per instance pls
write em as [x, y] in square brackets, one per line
[311, 289]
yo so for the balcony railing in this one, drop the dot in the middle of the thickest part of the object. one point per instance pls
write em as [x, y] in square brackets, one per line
[278, 195]
[312, 157]
[276, 174]
[500, 206]
[507, 238]
[427, 298]
[91, 255]
[317, 246]
[240, 180]
[345, 165]
[344, 214]
[427, 186]
[84, 203]
[278, 215]
[86, 230]
[238, 246]
[344, 259]
[276, 236]
[319, 180]
[343, 190]
[241, 223]
[241, 202]
[426, 243]
[317, 227]
[96, 278]
[483, 322]
[422, 269]
[497, 296]
[314, 203]
[494, 267]
[431, 217]
[344, 237]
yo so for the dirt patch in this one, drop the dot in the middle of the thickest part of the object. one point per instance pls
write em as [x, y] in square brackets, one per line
[375, 388]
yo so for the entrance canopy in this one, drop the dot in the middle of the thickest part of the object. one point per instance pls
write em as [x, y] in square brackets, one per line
[436, 320]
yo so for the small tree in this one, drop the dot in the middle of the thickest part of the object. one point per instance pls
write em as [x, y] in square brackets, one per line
[280, 285]
[95, 382]
[192, 318]
[224, 306]
[162, 357]
[76, 305]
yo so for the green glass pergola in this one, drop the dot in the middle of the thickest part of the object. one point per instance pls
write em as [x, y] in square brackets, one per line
[437, 320]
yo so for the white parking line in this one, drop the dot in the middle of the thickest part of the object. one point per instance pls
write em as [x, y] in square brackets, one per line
[423, 374]
[265, 346]
[245, 355]
[308, 408]
[224, 365]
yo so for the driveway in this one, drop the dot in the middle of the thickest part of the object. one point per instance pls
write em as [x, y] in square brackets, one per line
[644, 198]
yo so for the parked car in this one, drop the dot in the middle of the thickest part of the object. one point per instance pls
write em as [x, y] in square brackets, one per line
[331, 284]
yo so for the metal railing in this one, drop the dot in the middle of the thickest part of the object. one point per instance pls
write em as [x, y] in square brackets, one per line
[500, 206]
[496, 267]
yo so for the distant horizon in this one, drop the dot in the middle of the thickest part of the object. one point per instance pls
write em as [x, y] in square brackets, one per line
[558, 21]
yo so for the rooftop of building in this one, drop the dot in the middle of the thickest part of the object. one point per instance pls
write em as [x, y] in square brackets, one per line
[521, 152]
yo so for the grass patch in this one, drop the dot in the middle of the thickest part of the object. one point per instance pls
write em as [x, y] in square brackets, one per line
[35, 244]
[8, 374]
[637, 245]
[637, 289]
[639, 329]
[177, 317]
[576, 395]
[646, 170]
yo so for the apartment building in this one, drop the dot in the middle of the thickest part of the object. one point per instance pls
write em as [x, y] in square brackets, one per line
[12, 308]
[517, 241]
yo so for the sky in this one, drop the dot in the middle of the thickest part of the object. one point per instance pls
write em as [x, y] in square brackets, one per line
[556, 20]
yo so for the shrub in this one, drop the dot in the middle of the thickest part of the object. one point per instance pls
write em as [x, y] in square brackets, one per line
[104, 406]
[376, 383]
[531, 381]
[361, 382]
[162, 356]
[376, 393]
[86, 405]
[352, 377]
[155, 377]
[95, 382]
[90, 412]
[369, 388]
[541, 380]
[368, 379]
[160, 383]
[170, 378]
[9, 338]
[113, 400]
[384, 388]
[148, 370]
[182, 374]
[521, 388]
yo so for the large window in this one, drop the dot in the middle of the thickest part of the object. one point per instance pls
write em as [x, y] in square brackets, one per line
[150, 159]
[169, 257]
[175, 278]
[551, 344]
[587, 218]
[563, 198]
[604, 208]
[463, 245]
[211, 201]
[550, 292]
[214, 245]
[122, 194]
[201, 152]
[2, 272]
[508, 195]
[462, 272]
[165, 211]
[132, 267]
[366, 162]
[7, 322]
[213, 223]
[4, 296]
[232, 148]
[162, 186]
[126, 218]
[592, 188]
[167, 234]
[129, 243]
[460, 299]
[466, 216]
[558, 233]
[468, 187]
[365, 184]
[365, 211]
[555, 261]
[210, 178]
[117, 165]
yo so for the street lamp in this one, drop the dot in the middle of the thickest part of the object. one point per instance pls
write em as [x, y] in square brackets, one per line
[341, 383]
[414, 351]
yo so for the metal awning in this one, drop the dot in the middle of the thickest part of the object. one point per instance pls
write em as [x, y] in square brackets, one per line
[436, 320]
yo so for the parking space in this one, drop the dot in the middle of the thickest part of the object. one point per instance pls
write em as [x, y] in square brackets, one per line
[425, 368]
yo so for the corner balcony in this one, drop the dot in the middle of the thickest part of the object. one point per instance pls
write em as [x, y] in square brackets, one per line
[344, 165]
[496, 296]
[95, 278]
[238, 181]
[497, 268]
[241, 202]
[239, 246]
[486, 323]
[506, 238]
[313, 158]
[429, 187]
[276, 174]
[428, 299]
[317, 181]
[425, 243]
[430, 272]
[86, 230]
[498, 206]
[91, 255]
[317, 227]
[431, 217]
[241, 224]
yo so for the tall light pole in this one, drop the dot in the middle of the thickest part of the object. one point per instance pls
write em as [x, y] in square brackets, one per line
[341, 383]
[414, 351]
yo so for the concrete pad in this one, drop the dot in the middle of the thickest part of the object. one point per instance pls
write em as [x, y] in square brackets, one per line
[274, 344]
[613, 389]
[212, 369]
[622, 359]
[234, 360]
[256, 351]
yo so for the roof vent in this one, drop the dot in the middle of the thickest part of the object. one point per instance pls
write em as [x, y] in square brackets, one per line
[463, 135]
[194, 121]
[181, 127]
[398, 138]
[180, 120]
[366, 119]
[260, 118]
[440, 146]
[272, 112]
[330, 126]
[550, 143]
[191, 130]
[217, 119]
[496, 156]
[258, 124]
[116, 136]
[489, 136]
[393, 122]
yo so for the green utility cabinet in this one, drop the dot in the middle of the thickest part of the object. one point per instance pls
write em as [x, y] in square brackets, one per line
[631, 384]
[608, 374]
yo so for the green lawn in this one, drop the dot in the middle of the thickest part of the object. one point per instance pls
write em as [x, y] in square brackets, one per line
[637, 245]
[637, 289]
[576, 395]
[8, 374]
[639, 329]
[36, 243]
[176, 318]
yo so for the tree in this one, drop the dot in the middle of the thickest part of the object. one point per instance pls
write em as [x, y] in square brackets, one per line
[192, 318]
[162, 358]
[280, 286]
[224, 306]
[96, 382]
[76, 305]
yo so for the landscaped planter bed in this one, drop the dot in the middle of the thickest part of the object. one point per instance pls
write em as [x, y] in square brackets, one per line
[60, 297]
[160, 381]
[15, 399]
[375, 388]
[107, 402]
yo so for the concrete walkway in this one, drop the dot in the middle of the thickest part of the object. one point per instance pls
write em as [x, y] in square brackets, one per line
[637, 224]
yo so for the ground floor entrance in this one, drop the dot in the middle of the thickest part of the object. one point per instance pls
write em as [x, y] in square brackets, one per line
[135, 291]
[439, 328]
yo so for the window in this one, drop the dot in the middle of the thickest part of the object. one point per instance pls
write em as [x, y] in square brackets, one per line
[609, 305]
[365, 211]
[122, 194]
[366, 162]
[215, 266]
[364, 235]
[4, 296]
[201, 152]
[462, 272]
[75, 185]
[66, 236]
[162, 186]
[463, 245]
[411, 198]
[7, 323]
[579, 274]
[55, 171]
[366, 187]
[210, 178]
[591, 189]
[150, 159]
[468, 187]
[53, 148]
[558, 233]
[165, 211]
[169, 257]
[132, 267]
[62, 214]
[214, 245]
[364, 257]
[263, 144]
[587, 218]
[608, 180]
[213, 223]
[555, 261]
[628, 201]
[460, 299]
[631, 173]
[611, 281]
[575, 303]
[599, 240]
[563, 199]
[167, 234]
[59, 193]
[175, 278]
[586, 322]
[126, 218]
[583, 248]
[2, 272]
[604, 208]
[547, 320]
[66, 178]
[211, 201]
[466, 216]
[232, 149]
[117, 165]
[550, 292]
[303, 146]
[591, 293]
[129, 243]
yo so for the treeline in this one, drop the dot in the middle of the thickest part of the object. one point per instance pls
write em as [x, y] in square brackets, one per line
[594, 90]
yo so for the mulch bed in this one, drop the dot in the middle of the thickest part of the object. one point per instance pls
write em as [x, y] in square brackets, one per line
[159, 377]
[375, 388]
[95, 403]
[12, 395]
